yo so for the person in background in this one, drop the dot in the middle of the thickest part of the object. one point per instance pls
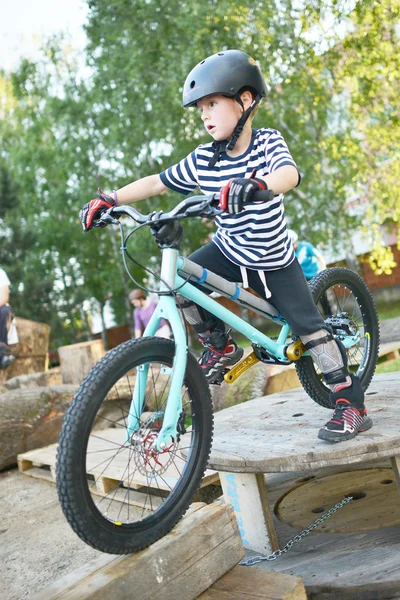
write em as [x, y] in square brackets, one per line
[310, 259]
[144, 308]
[6, 358]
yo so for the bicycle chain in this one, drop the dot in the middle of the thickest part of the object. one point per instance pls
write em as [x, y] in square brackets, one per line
[297, 538]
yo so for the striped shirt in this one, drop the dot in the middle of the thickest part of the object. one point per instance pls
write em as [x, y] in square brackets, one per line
[256, 238]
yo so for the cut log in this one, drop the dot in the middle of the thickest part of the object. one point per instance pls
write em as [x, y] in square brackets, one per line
[50, 377]
[31, 418]
[76, 360]
[31, 350]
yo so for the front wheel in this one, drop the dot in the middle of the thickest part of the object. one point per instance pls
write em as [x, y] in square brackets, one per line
[117, 492]
[347, 306]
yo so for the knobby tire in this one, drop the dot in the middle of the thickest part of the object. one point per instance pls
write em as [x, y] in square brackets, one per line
[346, 290]
[89, 514]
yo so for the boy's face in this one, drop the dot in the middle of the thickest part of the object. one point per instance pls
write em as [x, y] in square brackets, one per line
[220, 115]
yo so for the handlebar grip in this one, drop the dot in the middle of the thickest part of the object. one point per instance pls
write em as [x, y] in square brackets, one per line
[263, 196]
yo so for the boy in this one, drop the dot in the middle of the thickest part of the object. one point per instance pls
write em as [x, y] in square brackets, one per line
[251, 244]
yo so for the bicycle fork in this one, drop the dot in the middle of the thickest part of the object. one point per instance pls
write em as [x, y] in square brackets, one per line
[166, 309]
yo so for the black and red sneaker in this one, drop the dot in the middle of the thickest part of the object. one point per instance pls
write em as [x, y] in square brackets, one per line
[346, 422]
[214, 362]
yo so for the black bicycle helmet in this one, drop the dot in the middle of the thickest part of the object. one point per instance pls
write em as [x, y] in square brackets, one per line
[225, 73]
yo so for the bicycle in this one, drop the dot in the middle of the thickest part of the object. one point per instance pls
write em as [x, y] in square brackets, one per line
[137, 436]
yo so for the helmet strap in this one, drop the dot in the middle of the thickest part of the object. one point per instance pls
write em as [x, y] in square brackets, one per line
[222, 146]
[219, 148]
[242, 121]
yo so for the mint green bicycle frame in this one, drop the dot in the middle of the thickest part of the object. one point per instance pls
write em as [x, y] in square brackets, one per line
[166, 308]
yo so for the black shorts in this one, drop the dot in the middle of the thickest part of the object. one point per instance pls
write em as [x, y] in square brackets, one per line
[290, 292]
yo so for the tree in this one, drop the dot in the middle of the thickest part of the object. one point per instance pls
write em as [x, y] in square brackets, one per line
[137, 91]
[332, 95]
[366, 67]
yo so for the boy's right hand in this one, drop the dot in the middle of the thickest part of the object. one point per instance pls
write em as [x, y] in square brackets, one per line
[238, 191]
[93, 210]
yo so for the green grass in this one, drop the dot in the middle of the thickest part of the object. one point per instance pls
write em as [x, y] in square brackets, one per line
[388, 311]
[389, 366]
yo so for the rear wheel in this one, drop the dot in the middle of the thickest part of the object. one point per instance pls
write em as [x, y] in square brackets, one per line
[346, 305]
[120, 495]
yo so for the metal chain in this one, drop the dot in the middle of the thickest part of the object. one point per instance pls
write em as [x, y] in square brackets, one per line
[297, 538]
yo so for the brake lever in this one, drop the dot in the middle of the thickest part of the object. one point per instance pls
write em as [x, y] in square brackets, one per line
[211, 212]
[205, 209]
[106, 219]
[196, 210]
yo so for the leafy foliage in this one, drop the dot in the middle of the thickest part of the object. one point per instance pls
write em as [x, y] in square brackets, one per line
[332, 70]
[368, 71]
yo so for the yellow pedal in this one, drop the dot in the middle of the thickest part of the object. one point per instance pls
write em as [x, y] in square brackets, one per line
[241, 367]
[295, 350]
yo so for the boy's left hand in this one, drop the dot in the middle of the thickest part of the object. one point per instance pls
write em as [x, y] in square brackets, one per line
[239, 191]
[94, 209]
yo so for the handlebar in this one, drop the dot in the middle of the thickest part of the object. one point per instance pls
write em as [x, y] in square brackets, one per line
[194, 206]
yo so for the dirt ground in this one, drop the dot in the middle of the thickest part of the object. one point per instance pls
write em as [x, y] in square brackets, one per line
[37, 546]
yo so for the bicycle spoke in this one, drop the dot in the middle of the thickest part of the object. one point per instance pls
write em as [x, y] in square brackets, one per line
[130, 462]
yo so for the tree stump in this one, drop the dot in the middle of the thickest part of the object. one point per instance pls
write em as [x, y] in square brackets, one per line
[76, 360]
[31, 350]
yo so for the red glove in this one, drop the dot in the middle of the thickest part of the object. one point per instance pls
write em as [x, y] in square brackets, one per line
[239, 191]
[94, 209]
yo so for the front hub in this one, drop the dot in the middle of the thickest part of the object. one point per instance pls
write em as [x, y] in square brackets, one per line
[148, 460]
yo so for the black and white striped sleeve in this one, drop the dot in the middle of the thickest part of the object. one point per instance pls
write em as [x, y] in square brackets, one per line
[277, 153]
[181, 177]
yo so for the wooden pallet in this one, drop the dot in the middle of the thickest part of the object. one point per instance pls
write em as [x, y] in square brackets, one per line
[41, 463]
[389, 351]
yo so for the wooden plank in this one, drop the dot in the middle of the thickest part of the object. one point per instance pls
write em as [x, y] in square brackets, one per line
[40, 473]
[40, 456]
[183, 564]
[395, 464]
[268, 518]
[242, 583]
[247, 493]
[24, 465]
[102, 487]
